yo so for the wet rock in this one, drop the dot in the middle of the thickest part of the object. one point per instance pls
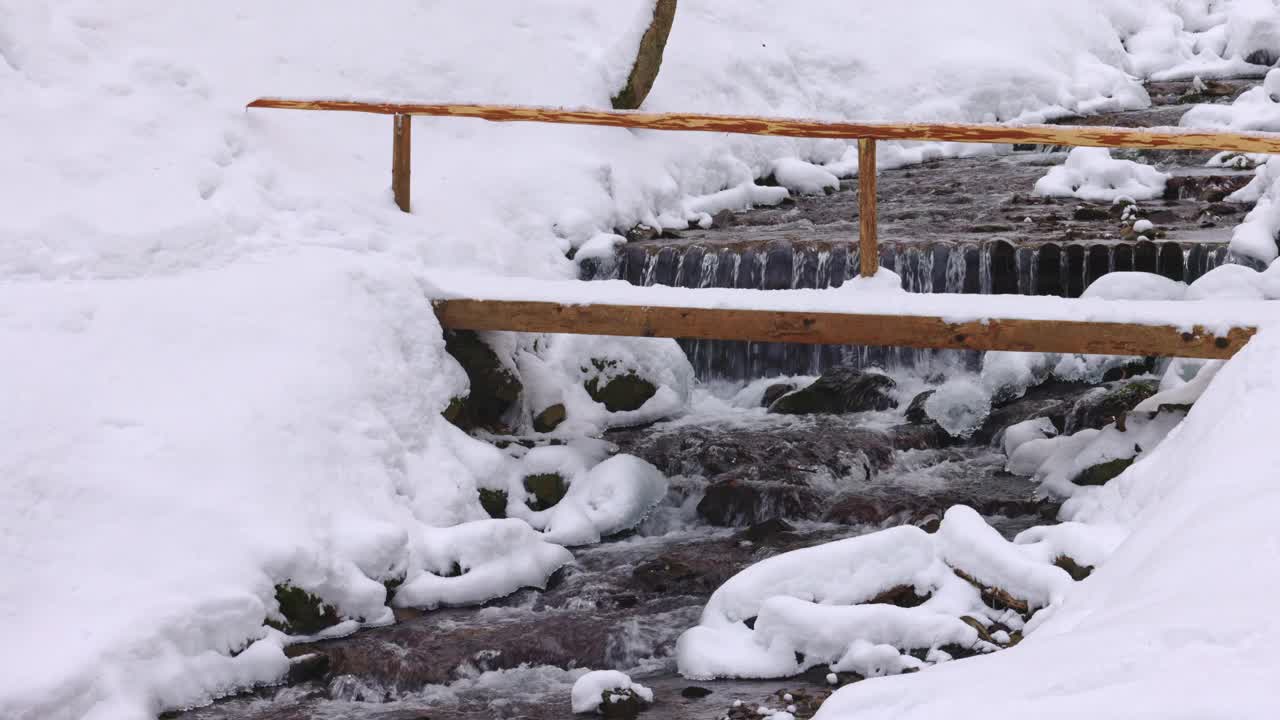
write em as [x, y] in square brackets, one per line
[671, 574]
[494, 387]
[620, 704]
[1103, 473]
[731, 502]
[303, 613]
[765, 531]
[773, 392]
[1102, 407]
[548, 420]
[840, 390]
[1091, 213]
[1053, 400]
[902, 596]
[305, 668]
[494, 502]
[548, 489]
[1263, 57]
[916, 414]
[693, 692]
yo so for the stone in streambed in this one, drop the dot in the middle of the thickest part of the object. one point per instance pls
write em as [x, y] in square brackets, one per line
[839, 391]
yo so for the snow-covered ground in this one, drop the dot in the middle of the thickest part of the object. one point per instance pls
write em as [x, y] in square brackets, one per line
[221, 371]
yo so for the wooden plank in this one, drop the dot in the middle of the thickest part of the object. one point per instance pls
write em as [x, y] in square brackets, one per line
[868, 239]
[1074, 135]
[1095, 338]
[401, 164]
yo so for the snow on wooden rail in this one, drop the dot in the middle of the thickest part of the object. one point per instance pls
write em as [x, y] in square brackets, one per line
[825, 328]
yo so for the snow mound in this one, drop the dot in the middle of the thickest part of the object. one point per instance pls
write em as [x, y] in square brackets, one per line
[837, 604]
[1092, 174]
[1135, 286]
[614, 496]
[588, 691]
[804, 178]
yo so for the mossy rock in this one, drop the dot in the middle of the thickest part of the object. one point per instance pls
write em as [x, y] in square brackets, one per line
[622, 393]
[494, 502]
[841, 390]
[494, 388]
[547, 488]
[304, 613]
[620, 704]
[548, 420]
[1103, 473]
[453, 413]
[1099, 409]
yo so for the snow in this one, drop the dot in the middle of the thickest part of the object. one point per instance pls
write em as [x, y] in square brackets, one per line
[1135, 286]
[614, 496]
[222, 371]
[804, 178]
[1015, 436]
[1185, 525]
[881, 295]
[1256, 109]
[588, 690]
[1092, 174]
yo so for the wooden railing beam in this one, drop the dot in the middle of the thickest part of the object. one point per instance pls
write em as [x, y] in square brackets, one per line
[1069, 135]
[868, 240]
[814, 328]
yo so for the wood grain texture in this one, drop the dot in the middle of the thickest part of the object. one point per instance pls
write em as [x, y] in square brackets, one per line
[401, 160]
[1085, 136]
[868, 232]
[1060, 336]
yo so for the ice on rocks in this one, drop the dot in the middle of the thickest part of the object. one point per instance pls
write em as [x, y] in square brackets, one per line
[959, 406]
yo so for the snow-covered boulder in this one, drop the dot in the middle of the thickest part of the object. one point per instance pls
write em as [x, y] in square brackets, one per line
[1092, 174]
[609, 692]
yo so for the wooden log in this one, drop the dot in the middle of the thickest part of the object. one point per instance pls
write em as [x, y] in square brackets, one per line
[401, 155]
[868, 238]
[1062, 336]
[1074, 135]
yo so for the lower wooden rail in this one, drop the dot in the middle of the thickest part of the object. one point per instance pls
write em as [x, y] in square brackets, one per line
[1062, 336]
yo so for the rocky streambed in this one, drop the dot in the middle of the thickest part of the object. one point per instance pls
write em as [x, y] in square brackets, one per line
[747, 484]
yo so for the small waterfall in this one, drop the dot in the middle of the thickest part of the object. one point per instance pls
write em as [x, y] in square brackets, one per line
[987, 267]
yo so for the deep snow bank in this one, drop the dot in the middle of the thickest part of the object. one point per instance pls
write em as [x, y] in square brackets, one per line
[220, 372]
[1178, 620]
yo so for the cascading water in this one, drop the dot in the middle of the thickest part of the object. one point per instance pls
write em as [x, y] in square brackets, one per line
[986, 267]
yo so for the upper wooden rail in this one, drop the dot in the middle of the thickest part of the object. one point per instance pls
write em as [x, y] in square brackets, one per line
[1071, 135]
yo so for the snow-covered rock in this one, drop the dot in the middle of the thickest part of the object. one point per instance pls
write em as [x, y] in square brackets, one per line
[589, 691]
[1092, 174]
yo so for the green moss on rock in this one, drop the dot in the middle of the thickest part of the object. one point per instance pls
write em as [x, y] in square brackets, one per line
[494, 502]
[494, 387]
[304, 613]
[1099, 409]
[1103, 473]
[548, 420]
[621, 393]
[547, 488]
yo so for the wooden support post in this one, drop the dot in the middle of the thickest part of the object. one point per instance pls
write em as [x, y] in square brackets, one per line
[402, 137]
[869, 244]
